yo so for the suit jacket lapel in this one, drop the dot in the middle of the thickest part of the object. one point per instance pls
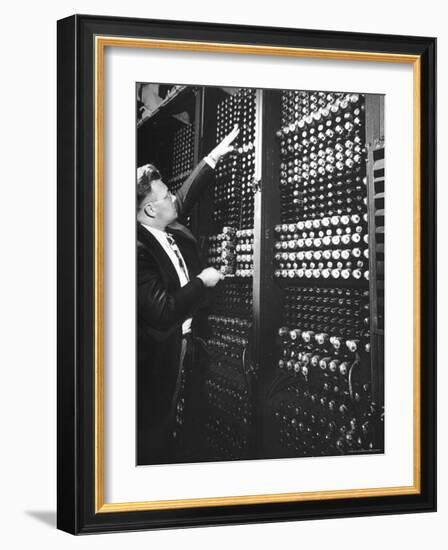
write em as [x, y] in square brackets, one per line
[162, 258]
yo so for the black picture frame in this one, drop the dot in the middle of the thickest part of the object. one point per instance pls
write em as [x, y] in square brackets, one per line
[76, 501]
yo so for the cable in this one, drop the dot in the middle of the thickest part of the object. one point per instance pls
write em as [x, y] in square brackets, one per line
[356, 362]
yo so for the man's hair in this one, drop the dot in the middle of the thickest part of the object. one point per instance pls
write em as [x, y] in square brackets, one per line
[145, 176]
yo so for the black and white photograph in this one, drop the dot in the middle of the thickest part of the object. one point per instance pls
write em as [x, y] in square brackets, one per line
[260, 224]
[243, 338]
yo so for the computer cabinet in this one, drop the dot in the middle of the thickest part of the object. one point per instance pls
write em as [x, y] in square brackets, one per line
[295, 218]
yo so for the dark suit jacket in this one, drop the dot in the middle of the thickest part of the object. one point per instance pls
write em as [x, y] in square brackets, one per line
[162, 306]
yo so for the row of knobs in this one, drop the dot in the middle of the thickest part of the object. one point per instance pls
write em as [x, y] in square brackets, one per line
[232, 252]
[229, 337]
[229, 411]
[324, 315]
[320, 200]
[330, 399]
[291, 337]
[233, 200]
[221, 250]
[322, 157]
[234, 110]
[182, 154]
[230, 399]
[339, 105]
[297, 104]
[306, 430]
[234, 297]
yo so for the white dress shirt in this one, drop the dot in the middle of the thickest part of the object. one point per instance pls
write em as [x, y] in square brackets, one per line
[163, 240]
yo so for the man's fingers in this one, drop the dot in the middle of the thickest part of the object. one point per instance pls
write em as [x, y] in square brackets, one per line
[230, 137]
[235, 131]
[224, 146]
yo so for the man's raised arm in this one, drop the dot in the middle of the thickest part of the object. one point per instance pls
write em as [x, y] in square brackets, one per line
[191, 189]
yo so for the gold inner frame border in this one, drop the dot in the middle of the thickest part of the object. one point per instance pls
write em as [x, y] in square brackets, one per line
[101, 42]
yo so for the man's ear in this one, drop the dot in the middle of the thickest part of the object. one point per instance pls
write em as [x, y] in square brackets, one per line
[149, 211]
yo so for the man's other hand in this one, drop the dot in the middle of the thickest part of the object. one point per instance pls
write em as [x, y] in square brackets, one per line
[210, 276]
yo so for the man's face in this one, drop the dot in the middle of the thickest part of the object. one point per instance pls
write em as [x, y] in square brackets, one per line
[161, 203]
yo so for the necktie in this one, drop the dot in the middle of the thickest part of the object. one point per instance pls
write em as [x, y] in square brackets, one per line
[179, 257]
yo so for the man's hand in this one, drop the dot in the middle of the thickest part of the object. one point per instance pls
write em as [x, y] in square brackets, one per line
[210, 276]
[225, 146]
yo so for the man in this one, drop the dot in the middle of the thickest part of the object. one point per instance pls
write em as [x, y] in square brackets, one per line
[172, 285]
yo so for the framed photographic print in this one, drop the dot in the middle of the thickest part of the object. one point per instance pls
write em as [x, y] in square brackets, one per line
[246, 274]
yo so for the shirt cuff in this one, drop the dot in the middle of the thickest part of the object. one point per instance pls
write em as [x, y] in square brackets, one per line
[210, 161]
